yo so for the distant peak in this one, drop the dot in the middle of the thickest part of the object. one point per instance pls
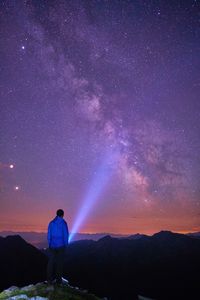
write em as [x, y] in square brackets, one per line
[14, 237]
[136, 236]
[17, 239]
[163, 232]
[106, 238]
[166, 234]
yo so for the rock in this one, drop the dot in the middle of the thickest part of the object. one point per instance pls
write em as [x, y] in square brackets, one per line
[21, 297]
[65, 281]
[25, 297]
[50, 288]
[38, 298]
[43, 291]
[9, 291]
[144, 298]
[28, 288]
[12, 288]
[39, 284]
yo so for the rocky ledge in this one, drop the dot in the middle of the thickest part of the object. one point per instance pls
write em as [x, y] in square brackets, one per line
[43, 291]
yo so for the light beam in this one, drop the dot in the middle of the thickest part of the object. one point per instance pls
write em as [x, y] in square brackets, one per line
[102, 176]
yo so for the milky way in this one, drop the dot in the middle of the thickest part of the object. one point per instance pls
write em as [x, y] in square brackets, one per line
[80, 79]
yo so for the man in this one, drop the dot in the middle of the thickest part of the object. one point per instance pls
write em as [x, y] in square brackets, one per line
[58, 240]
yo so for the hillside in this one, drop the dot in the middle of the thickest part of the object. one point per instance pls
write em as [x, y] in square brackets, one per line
[39, 239]
[20, 262]
[42, 291]
[164, 266]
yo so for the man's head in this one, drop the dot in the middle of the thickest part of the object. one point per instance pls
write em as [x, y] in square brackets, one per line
[60, 213]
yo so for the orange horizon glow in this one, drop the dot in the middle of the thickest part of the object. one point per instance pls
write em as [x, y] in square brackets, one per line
[125, 233]
[133, 217]
[91, 233]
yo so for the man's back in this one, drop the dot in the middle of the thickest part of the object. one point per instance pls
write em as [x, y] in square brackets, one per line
[58, 239]
[58, 233]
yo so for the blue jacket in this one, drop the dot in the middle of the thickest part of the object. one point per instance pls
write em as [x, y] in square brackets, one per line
[58, 233]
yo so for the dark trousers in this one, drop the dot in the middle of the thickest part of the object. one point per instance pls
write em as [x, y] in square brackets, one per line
[55, 264]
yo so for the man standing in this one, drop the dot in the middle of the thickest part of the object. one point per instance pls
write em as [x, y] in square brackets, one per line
[58, 240]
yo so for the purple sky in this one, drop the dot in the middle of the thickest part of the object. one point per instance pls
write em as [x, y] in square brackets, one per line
[81, 79]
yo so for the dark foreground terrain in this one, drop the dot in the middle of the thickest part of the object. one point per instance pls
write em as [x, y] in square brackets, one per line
[44, 291]
[164, 266]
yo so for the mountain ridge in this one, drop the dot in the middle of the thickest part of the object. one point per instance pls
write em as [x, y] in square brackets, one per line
[157, 266]
[39, 239]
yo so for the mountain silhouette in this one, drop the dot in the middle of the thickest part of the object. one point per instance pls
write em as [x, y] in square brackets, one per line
[136, 236]
[39, 239]
[163, 266]
[194, 234]
[20, 262]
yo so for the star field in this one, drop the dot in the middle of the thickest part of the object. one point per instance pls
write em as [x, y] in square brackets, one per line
[80, 79]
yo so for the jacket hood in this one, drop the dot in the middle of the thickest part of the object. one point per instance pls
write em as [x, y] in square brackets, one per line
[58, 219]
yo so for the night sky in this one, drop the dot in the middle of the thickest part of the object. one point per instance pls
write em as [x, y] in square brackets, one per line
[91, 85]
